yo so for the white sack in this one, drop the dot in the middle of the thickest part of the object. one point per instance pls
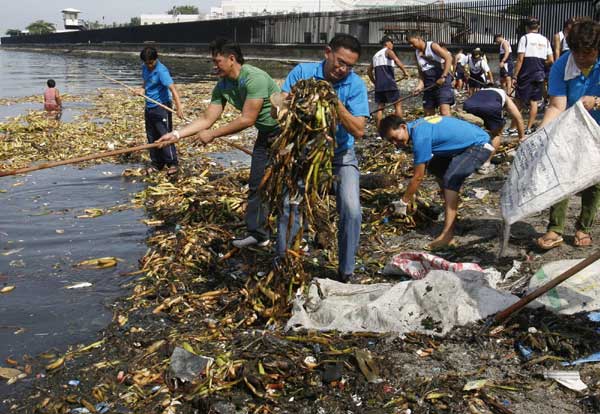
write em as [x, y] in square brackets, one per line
[554, 163]
[445, 297]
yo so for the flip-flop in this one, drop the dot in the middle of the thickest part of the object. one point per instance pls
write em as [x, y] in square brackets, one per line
[547, 243]
[172, 170]
[578, 242]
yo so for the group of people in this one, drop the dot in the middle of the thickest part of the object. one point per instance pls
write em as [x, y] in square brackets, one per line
[449, 148]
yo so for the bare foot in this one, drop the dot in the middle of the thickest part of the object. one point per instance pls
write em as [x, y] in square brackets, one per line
[441, 242]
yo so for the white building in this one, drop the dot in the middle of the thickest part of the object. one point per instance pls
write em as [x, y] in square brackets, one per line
[146, 19]
[71, 19]
[244, 8]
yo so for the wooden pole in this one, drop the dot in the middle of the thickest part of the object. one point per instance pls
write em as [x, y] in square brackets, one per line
[545, 288]
[222, 139]
[412, 95]
[4, 173]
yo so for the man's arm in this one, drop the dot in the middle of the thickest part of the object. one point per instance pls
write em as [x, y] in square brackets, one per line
[392, 55]
[444, 54]
[250, 112]
[506, 48]
[203, 122]
[415, 182]
[518, 64]
[175, 94]
[58, 99]
[370, 73]
[355, 125]
[557, 45]
[558, 104]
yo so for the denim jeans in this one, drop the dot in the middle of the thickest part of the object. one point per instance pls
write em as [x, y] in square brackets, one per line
[590, 199]
[256, 212]
[347, 191]
[454, 170]
[158, 123]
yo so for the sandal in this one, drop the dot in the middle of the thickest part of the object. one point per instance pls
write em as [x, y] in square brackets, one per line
[172, 170]
[584, 241]
[547, 242]
[151, 170]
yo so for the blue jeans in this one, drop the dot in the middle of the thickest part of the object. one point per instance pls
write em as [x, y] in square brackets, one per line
[158, 123]
[347, 192]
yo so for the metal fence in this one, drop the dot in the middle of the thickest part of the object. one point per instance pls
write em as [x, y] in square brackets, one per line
[453, 23]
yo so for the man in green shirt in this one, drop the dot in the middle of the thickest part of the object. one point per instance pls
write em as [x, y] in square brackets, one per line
[248, 89]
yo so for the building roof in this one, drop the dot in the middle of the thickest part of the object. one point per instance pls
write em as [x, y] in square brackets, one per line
[70, 10]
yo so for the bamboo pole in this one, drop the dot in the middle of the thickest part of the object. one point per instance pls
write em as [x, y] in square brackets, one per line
[4, 173]
[222, 139]
[412, 95]
[545, 288]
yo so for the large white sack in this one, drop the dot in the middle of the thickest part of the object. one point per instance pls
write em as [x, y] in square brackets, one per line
[579, 293]
[447, 299]
[554, 163]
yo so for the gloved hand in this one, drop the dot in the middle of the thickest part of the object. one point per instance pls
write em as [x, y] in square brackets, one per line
[400, 207]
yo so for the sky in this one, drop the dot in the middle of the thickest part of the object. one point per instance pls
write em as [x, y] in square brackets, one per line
[18, 14]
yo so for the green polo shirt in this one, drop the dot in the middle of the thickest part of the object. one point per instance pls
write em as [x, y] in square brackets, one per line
[253, 83]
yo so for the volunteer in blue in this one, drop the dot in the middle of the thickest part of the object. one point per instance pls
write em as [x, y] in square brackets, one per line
[533, 55]
[479, 71]
[341, 55]
[451, 149]
[489, 105]
[575, 76]
[159, 86]
[505, 62]
[381, 71]
[435, 80]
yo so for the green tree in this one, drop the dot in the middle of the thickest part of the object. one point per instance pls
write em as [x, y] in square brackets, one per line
[13, 32]
[41, 27]
[184, 10]
[135, 21]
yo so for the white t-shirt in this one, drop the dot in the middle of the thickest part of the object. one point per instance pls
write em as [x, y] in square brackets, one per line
[535, 45]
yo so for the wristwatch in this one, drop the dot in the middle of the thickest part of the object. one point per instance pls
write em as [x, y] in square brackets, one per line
[176, 134]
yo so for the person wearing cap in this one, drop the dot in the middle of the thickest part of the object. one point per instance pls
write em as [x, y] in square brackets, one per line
[450, 148]
[381, 73]
[575, 76]
[434, 63]
[534, 54]
[489, 104]
[479, 71]
[505, 62]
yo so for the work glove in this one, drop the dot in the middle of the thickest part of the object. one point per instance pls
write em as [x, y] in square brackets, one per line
[399, 207]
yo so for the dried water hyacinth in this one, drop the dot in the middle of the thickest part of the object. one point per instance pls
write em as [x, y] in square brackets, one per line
[301, 158]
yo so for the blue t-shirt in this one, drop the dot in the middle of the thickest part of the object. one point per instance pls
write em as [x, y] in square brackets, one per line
[351, 91]
[444, 136]
[567, 80]
[156, 84]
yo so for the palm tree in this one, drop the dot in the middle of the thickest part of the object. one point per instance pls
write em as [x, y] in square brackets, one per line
[41, 27]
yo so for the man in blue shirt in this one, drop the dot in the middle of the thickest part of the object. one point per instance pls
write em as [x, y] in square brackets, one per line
[575, 76]
[159, 86]
[450, 148]
[341, 55]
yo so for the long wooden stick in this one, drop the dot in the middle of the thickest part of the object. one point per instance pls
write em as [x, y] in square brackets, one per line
[222, 139]
[4, 173]
[412, 95]
[545, 288]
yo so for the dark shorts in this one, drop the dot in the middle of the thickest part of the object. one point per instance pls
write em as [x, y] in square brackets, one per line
[158, 123]
[385, 97]
[547, 72]
[438, 95]
[460, 73]
[487, 105]
[528, 90]
[507, 69]
[454, 170]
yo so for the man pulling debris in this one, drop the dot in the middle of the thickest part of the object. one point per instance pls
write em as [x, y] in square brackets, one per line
[451, 149]
[341, 54]
[488, 104]
[381, 73]
[248, 89]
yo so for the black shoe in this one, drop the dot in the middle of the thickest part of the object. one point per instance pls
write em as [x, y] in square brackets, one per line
[343, 277]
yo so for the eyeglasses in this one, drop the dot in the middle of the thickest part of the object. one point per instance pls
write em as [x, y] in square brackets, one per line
[340, 63]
